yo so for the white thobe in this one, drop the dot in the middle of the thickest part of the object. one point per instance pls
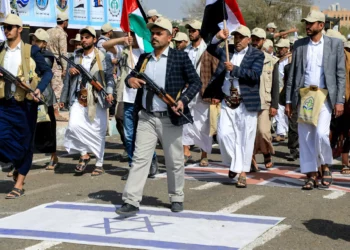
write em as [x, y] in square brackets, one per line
[236, 128]
[281, 118]
[314, 144]
[82, 135]
[197, 133]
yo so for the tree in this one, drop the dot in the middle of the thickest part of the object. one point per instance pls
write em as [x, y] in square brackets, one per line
[258, 13]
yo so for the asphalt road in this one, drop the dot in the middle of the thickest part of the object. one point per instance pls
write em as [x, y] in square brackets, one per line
[313, 221]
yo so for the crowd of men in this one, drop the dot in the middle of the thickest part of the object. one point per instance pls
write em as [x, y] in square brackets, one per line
[269, 81]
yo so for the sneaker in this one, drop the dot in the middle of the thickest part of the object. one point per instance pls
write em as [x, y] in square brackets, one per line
[124, 157]
[154, 168]
[127, 210]
[177, 207]
[126, 176]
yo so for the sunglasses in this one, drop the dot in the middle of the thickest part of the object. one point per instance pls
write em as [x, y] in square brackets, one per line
[9, 27]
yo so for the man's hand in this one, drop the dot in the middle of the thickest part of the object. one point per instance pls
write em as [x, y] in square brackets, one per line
[179, 107]
[74, 71]
[64, 73]
[222, 34]
[273, 112]
[338, 109]
[36, 95]
[109, 98]
[229, 66]
[288, 110]
[136, 83]
[128, 40]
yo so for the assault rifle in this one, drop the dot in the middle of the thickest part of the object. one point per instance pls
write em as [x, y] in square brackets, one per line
[92, 79]
[16, 80]
[159, 91]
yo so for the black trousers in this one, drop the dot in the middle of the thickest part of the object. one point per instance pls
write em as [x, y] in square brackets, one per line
[45, 134]
[293, 136]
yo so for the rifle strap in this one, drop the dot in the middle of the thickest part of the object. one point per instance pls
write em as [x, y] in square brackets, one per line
[144, 63]
[99, 64]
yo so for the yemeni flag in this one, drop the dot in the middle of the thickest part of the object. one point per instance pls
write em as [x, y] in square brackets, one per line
[215, 12]
[134, 19]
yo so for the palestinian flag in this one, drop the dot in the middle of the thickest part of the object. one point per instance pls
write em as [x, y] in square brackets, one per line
[134, 19]
[215, 12]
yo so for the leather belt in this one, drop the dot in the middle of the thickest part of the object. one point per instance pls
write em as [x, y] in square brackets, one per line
[158, 114]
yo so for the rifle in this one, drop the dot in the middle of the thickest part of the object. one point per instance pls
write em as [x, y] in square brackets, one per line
[92, 79]
[159, 91]
[16, 80]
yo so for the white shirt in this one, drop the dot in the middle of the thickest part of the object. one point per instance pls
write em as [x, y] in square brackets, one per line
[236, 60]
[12, 61]
[87, 60]
[281, 66]
[129, 94]
[192, 54]
[314, 73]
[156, 70]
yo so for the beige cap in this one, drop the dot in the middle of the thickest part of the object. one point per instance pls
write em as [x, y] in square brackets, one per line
[267, 44]
[88, 29]
[41, 35]
[62, 17]
[153, 12]
[197, 25]
[180, 36]
[347, 45]
[162, 23]
[283, 43]
[259, 33]
[314, 16]
[271, 25]
[243, 30]
[335, 34]
[106, 28]
[13, 19]
[76, 39]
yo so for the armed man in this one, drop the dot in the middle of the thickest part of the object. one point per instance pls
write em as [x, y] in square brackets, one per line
[171, 70]
[91, 89]
[21, 64]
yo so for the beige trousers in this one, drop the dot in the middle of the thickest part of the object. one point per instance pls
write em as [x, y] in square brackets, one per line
[149, 130]
[263, 140]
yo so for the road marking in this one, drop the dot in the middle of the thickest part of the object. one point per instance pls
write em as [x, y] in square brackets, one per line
[269, 235]
[240, 204]
[92, 198]
[334, 195]
[39, 190]
[43, 245]
[207, 186]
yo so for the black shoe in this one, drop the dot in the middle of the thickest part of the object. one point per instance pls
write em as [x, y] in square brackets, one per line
[177, 207]
[293, 155]
[126, 176]
[127, 210]
[154, 168]
[124, 157]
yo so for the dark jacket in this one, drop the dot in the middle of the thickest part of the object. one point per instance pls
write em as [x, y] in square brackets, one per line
[49, 94]
[248, 73]
[179, 71]
[41, 69]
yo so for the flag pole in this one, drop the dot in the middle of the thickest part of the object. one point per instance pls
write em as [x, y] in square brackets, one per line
[225, 27]
[130, 53]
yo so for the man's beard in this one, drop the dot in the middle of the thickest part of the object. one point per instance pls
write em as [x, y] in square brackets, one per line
[87, 47]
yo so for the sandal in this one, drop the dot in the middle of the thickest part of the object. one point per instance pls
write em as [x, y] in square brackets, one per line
[98, 171]
[254, 167]
[204, 162]
[80, 168]
[187, 158]
[327, 177]
[310, 184]
[268, 161]
[52, 165]
[242, 182]
[15, 193]
[231, 174]
[345, 170]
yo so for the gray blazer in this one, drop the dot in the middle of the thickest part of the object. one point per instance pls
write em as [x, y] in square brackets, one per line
[333, 65]
[69, 92]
